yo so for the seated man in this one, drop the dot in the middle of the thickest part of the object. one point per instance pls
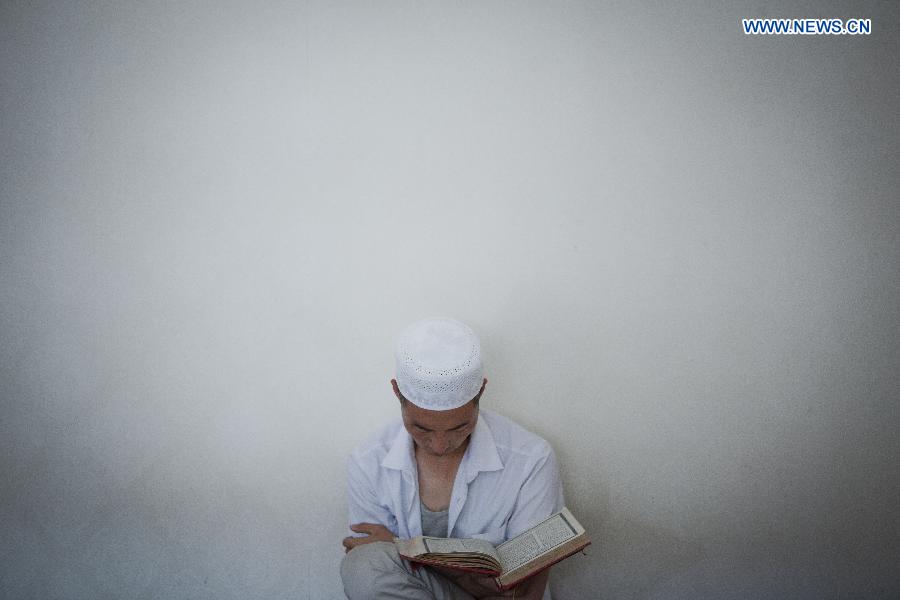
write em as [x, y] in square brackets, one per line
[445, 469]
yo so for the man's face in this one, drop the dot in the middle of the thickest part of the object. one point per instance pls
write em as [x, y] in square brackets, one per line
[440, 432]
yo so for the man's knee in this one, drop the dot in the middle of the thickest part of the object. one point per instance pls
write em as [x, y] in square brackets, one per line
[366, 565]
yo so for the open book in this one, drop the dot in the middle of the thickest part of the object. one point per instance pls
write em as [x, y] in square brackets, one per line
[514, 560]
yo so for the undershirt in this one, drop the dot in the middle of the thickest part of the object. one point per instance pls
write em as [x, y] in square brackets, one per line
[434, 523]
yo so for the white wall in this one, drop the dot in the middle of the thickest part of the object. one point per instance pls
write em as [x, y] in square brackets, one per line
[678, 243]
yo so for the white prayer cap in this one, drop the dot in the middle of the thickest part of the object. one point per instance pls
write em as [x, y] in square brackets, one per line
[439, 364]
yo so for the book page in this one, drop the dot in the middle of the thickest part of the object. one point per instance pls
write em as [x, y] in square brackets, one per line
[410, 547]
[535, 542]
[448, 545]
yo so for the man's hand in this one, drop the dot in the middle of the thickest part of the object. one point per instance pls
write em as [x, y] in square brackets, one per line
[373, 531]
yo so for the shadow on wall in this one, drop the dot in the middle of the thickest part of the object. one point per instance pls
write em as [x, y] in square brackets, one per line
[627, 559]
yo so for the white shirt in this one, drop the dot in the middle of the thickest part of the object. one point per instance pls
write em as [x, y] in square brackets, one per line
[508, 481]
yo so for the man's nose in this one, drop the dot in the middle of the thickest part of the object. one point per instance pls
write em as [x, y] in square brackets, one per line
[441, 443]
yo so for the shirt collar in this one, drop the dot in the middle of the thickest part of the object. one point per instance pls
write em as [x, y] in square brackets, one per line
[400, 456]
[481, 455]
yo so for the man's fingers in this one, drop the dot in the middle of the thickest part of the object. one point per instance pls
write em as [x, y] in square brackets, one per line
[352, 542]
[373, 531]
[363, 527]
[369, 528]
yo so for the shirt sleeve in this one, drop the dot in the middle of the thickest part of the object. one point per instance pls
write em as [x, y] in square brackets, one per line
[539, 497]
[362, 499]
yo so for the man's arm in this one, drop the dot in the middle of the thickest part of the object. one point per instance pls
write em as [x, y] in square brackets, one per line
[373, 533]
[368, 518]
[540, 496]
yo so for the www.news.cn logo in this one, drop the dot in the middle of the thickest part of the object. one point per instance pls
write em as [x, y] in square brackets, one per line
[807, 26]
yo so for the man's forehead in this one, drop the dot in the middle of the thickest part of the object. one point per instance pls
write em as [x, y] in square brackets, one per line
[439, 419]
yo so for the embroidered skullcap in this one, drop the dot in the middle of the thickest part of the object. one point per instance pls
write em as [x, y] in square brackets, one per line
[439, 364]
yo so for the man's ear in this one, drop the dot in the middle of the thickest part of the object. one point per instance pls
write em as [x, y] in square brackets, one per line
[477, 397]
[397, 391]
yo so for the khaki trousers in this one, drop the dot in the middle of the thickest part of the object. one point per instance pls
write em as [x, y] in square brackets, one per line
[376, 572]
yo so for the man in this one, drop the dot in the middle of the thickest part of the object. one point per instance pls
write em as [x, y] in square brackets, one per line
[445, 469]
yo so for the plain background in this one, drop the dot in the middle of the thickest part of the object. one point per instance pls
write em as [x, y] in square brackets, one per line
[678, 243]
